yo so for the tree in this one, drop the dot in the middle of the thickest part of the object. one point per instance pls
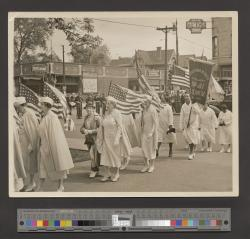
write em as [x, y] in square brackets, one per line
[100, 56]
[32, 33]
[39, 57]
[29, 33]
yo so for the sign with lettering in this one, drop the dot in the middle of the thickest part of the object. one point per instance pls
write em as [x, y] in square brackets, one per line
[41, 68]
[196, 25]
[200, 74]
[70, 69]
[89, 85]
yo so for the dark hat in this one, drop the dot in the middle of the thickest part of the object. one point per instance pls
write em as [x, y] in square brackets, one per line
[223, 106]
[90, 104]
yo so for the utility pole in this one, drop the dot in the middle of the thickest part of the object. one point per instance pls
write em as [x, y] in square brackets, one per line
[63, 67]
[177, 43]
[165, 30]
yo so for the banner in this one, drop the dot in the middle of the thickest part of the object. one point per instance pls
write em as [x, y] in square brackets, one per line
[200, 74]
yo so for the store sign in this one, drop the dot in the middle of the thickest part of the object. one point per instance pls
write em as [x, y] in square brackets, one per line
[196, 25]
[70, 69]
[153, 73]
[89, 85]
[39, 68]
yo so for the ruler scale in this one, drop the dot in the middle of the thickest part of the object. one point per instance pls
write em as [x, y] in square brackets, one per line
[120, 219]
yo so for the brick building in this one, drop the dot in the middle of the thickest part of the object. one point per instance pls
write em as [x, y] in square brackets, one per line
[222, 53]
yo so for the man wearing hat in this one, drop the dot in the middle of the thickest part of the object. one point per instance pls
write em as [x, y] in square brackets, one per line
[91, 123]
[28, 139]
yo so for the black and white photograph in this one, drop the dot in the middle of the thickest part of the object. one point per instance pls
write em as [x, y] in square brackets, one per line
[123, 104]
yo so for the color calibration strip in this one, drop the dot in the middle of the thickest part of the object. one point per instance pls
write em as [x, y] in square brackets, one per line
[53, 220]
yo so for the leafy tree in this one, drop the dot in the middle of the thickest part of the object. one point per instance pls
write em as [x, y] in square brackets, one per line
[40, 57]
[101, 56]
[29, 33]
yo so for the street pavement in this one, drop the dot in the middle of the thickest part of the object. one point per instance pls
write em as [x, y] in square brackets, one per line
[208, 172]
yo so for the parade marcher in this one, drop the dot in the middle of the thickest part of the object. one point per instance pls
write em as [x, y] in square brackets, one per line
[91, 123]
[115, 141]
[166, 131]
[225, 129]
[54, 156]
[208, 123]
[18, 167]
[78, 101]
[149, 135]
[28, 135]
[189, 123]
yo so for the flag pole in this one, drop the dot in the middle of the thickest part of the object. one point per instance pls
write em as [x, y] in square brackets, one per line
[109, 86]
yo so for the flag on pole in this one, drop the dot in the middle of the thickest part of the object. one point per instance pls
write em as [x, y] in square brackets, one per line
[60, 104]
[180, 77]
[32, 99]
[128, 101]
[146, 88]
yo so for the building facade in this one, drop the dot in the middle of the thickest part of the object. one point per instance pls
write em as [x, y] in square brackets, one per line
[222, 53]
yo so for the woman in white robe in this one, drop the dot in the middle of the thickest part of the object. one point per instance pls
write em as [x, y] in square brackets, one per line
[115, 141]
[208, 123]
[54, 156]
[225, 129]
[189, 123]
[149, 135]
[29, 141]
[165, 125]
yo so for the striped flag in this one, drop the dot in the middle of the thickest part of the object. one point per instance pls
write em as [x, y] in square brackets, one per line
[180, 77]
[60, 104]
[128, 101]
[146, 88]
[32, 99]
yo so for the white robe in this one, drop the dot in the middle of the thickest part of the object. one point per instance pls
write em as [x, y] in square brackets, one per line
[225, 132]
[208, 122]
[190, 132]
[165, 120]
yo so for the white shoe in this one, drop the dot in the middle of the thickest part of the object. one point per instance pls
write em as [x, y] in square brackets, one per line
[92, 174]
[30, 187]
[228, 150]
[151, 169]
[115, 178]
[209, 149]
[202, 149]
[144, 169]
[190, 156]
[222, 150]
[105, 179]
[60, 189]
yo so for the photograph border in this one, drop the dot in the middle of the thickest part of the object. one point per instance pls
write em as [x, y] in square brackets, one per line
[235, 104]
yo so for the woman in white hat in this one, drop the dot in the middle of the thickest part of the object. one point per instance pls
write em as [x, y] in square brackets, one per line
[55, 159]
[149, 136]
[115, 141]
[28, 135]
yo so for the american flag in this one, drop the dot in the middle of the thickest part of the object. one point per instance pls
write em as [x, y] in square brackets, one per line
[128, 101]
[180, 77]
[32, 99]
[60, 104]
[146, 88]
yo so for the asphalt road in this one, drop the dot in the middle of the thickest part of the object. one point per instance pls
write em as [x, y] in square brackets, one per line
[208, 172]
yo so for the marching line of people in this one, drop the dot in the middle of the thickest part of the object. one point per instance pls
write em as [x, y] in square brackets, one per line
[41, 148]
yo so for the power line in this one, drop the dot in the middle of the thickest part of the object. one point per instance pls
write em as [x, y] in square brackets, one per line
[124, 23]
[147, 26]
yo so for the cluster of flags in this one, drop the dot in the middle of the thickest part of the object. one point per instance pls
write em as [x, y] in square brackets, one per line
[60, 104]
[180, 76]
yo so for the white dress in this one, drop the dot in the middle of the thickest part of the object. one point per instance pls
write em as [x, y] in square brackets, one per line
[225, 132]
[189, 123]
[149, 123]
[208, 123]
[165, 120]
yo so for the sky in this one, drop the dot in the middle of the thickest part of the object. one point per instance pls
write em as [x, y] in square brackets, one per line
[122, 40]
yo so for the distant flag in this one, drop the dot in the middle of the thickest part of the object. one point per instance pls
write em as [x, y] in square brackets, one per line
[146, 88]
[32, 99]
[180, 77]
[128, 101]
[60, 104]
